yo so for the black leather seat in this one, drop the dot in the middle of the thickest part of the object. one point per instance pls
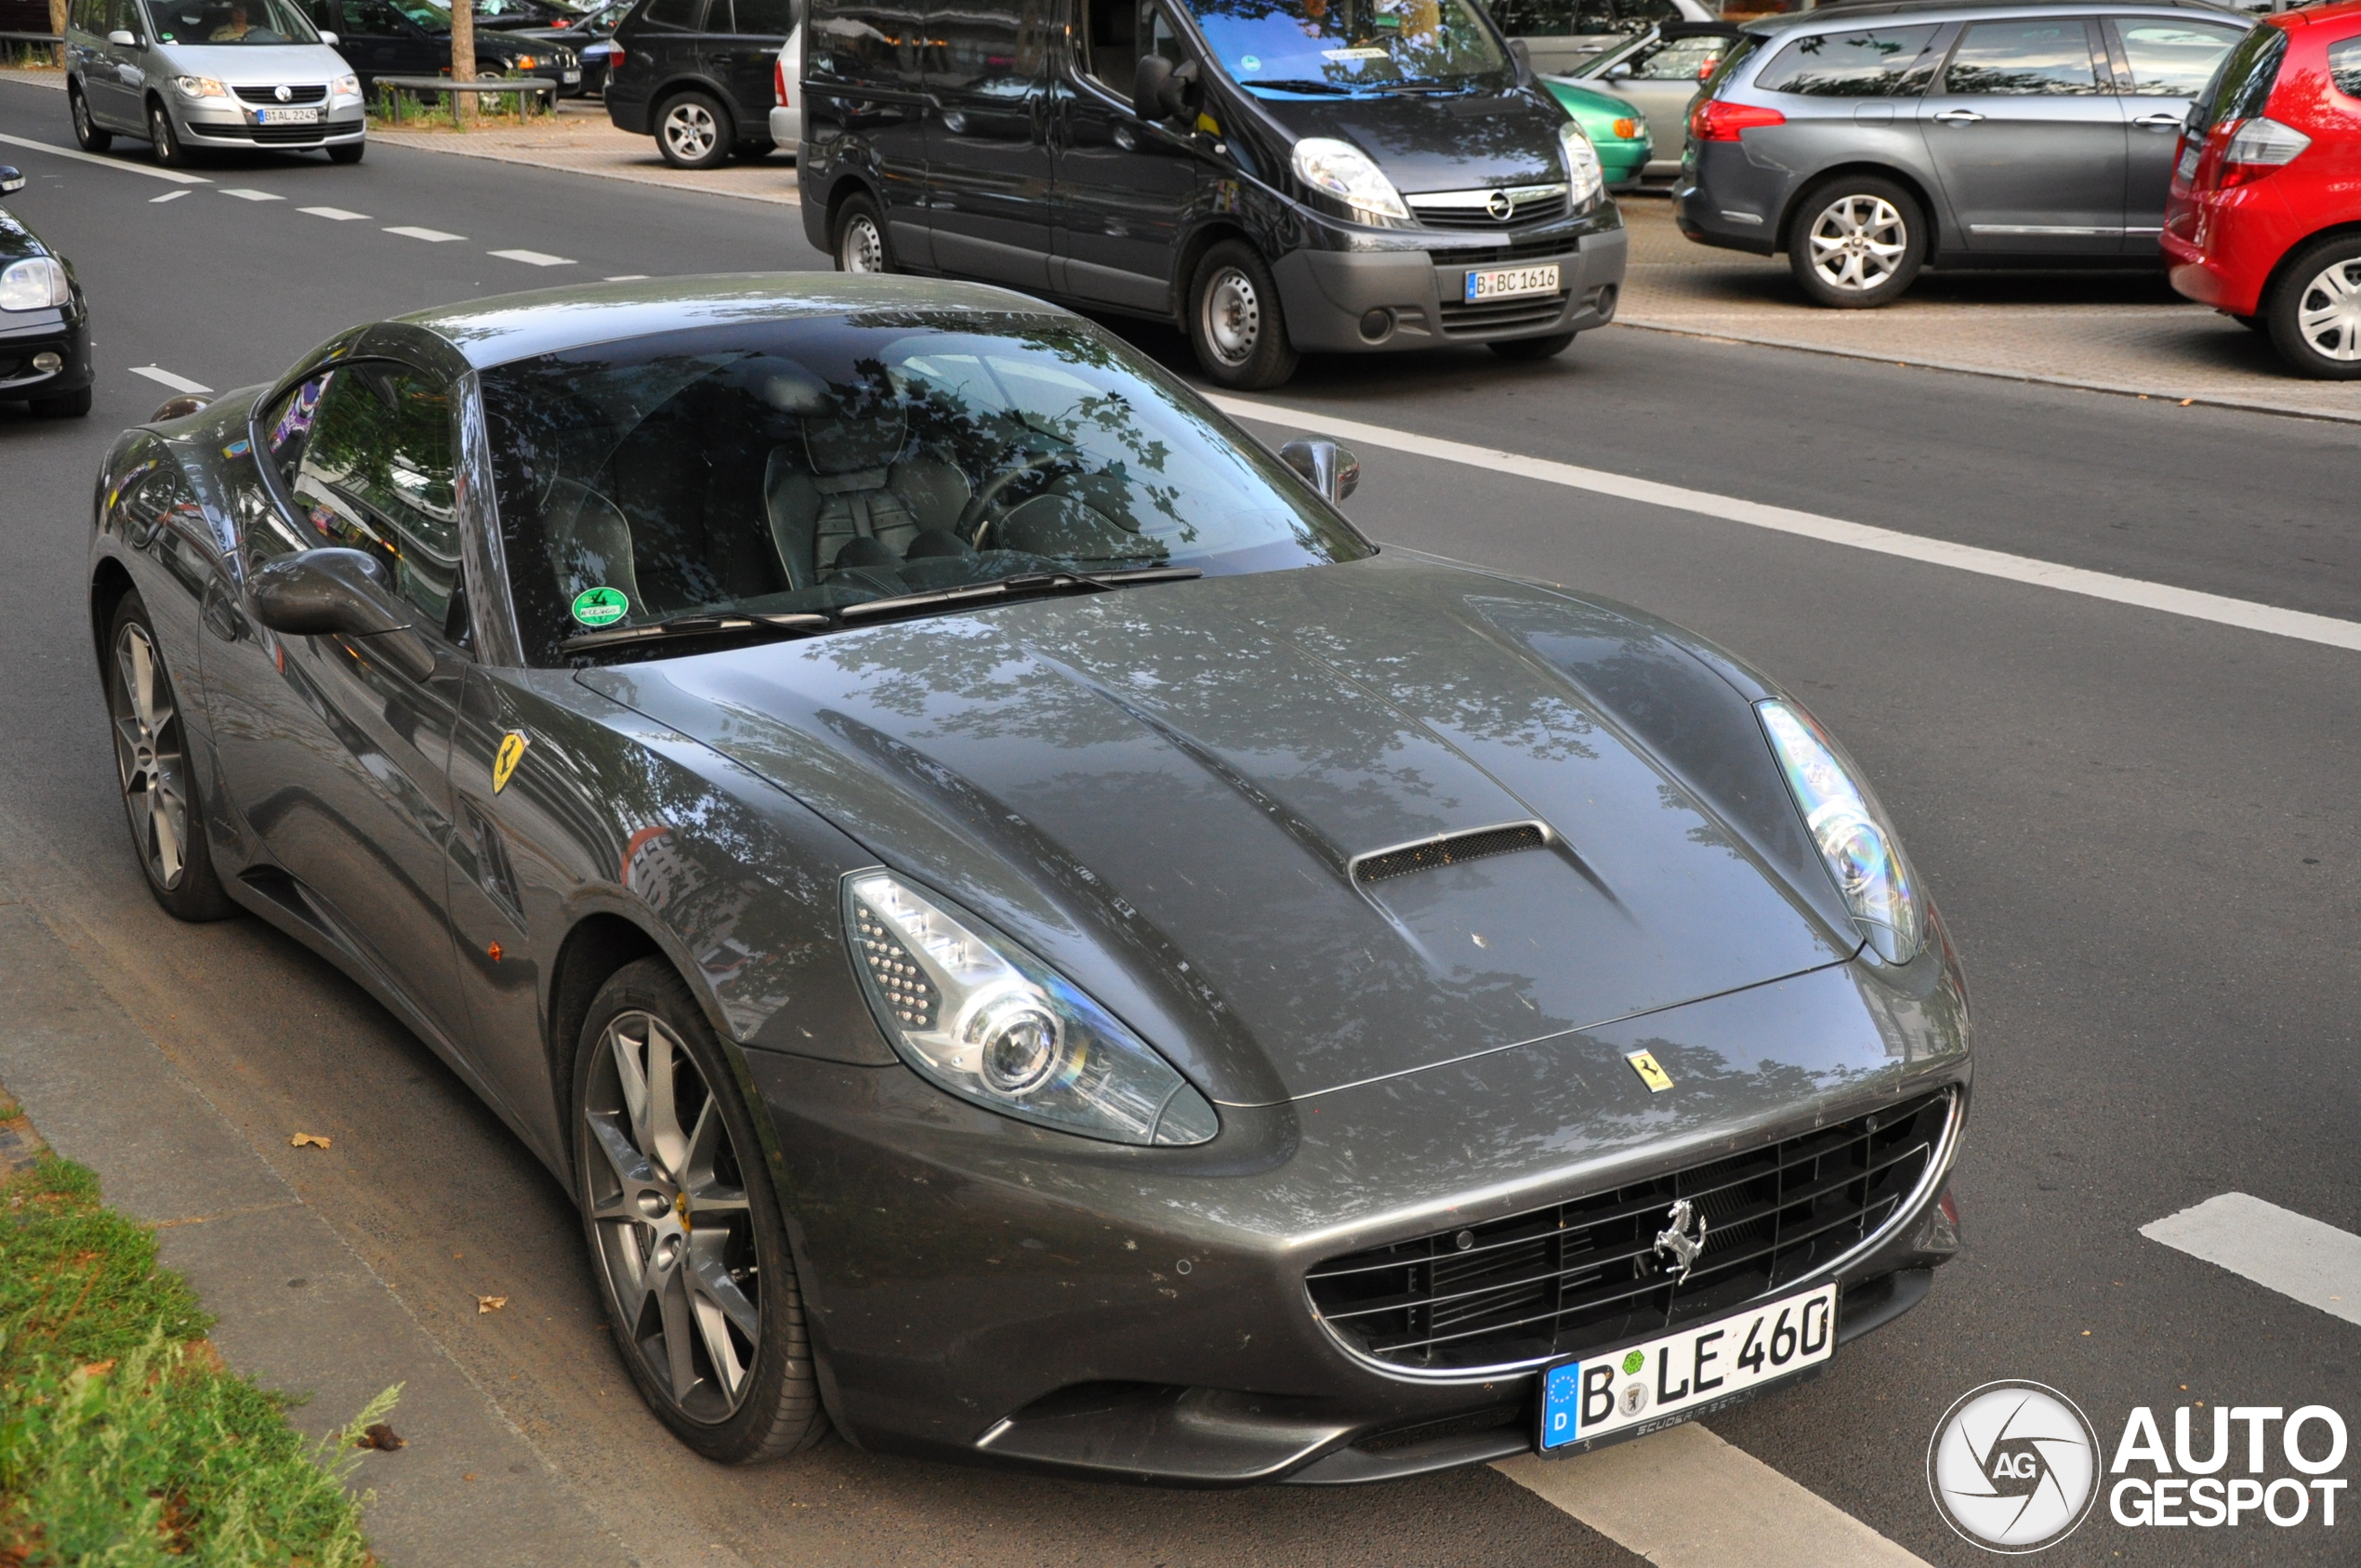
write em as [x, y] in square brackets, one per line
[850, 493]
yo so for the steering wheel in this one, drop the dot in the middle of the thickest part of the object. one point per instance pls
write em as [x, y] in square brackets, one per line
[973, 514]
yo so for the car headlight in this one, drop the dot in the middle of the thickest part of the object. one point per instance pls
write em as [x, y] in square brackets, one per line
[347, 86]
[1584, 177]
[200, 87]
[1345, 172]
[977, 1015]
[39, 284]
[1856, 842]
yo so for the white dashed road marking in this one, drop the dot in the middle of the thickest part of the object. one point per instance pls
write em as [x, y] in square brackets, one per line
[2190, 602]
[432, 236]
[177, 383]
[2277, 1248]
[244, 194]
[336, 215]
[533, 258]
[168, 196]
[628, 278]
[149, 170]
[1684, 1498]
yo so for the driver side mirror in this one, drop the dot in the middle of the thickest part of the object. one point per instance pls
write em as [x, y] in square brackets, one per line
[1161, 90]
[1327, 467]
[10, 180]
[1618, 71]
[123, 40]
[1520, 53]
[330, 39]
[338, 592]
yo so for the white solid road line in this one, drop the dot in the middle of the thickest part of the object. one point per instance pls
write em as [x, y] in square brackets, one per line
[1684, 1498]
[244, 194]
[168, 196]
[2277, 1248]
[2216, 608]
[628, 278]
[149, 170]
[432, 236]
[533, 258]
[177, 383]
[336, 215]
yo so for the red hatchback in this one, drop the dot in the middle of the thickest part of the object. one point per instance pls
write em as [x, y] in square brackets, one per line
[2264, 217]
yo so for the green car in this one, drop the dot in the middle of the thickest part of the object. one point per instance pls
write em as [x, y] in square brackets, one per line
[1614, 126]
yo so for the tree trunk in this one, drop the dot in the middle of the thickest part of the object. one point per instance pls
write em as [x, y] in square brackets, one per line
[463, 58]
[58, 26]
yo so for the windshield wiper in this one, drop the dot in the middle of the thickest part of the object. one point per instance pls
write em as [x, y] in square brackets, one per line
[1022, 587]
[1307, 84]
[703, 624]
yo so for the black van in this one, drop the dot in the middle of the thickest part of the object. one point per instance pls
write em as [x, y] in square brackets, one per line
[1275, 176]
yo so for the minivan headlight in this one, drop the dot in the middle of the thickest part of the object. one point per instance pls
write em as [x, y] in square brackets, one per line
[1856, 842]
[1342, 170]
[200, 87]
[1585, 178]
[348, 85]
[977, 1015]
[38, 283]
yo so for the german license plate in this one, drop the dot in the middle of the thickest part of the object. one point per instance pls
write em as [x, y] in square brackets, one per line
[571, 76]
[1511, 283]
[288, 116]
[1680, 1375]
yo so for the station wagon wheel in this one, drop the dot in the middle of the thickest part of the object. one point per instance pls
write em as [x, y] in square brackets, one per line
[684, 1227]
[2314, 315]
[694, 132]
[85, 129]
[1235, 319]
[169, 151]
[1856, 243]
[860, 241]
[152, 766]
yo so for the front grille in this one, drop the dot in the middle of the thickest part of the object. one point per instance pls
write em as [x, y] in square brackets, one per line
[1527, 205]
[1462, 319]
[1450, 851]
[1585, 1274]
[268, 96]
[1493, 256]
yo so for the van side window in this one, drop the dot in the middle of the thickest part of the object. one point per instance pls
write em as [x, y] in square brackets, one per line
[995, 48]
[84, 18]
[1111, 42]
[868, 42]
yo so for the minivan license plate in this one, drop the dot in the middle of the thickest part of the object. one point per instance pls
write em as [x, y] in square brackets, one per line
[1512, 283]
[1682, 1374]
[288, 116]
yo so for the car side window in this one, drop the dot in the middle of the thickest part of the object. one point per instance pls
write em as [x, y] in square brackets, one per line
[1111, 42]
[374, 19]
[2172, 59]
[1873, 62]
[2344, 67]
[2030, 57]
[679, 15]
[767, 19]
[1164, 39]
[86, 15]
[1682, 60]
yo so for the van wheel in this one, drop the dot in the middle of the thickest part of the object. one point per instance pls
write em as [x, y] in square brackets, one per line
[349, 154]
[2315, 312]
[1548, 348]
[165, 141]
[1234, 322]
[85, 129]
[860, 241]
[694, 132]
[1856, 243]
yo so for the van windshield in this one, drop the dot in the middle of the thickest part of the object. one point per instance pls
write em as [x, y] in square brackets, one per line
[1351, 46]
[229, 22]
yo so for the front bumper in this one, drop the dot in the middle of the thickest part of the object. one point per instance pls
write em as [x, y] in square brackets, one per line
[989, 1292]
[228, 127]
[26, 334]
[1416, 298]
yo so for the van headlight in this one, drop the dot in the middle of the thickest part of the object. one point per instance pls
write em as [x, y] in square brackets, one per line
[346, 87]
[37, 283]
[977, 1015]
[1856, 842]
[1342, 170]
[1584, 178]
[200, 87]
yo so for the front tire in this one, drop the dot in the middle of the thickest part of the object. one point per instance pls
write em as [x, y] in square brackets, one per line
[694, 132]
[1856, 243]
[1235, 319]
[85, 130]
[2314, 314]
[169, 151]
[348, 153]
[1548, 348]
[684, 1226]
[156, 772]
[860, 240]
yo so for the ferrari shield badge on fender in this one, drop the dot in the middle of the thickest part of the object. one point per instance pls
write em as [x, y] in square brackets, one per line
[1644, 1063]
[512, 752]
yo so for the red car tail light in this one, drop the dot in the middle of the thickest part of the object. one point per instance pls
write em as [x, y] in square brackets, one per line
[779, 82]
[1716, 121]
[614, 60]
[2255, 148]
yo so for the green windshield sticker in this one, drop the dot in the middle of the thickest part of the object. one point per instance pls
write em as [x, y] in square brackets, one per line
[600, 607]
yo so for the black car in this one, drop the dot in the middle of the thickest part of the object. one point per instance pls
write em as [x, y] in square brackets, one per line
[44, 323]
[413, 38]
[511, 16]
[696, 74]
[588, 35]
[1272, 176]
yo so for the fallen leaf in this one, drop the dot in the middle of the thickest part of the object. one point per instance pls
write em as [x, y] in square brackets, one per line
[2186, 402]
[469, 1476]
[315, 1140]
[490, 1303]
[98, 1368]
[378, 1435]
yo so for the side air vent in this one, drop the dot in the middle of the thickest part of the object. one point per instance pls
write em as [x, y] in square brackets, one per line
[1449, 850]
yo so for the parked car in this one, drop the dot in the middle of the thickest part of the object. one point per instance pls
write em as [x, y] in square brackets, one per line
[700, 76]
[590, 36]
[1659, 72]
[1272, 176]
[1618, 131]
[513, 15]
[897, 776]
[1868, 140]
[1563, 35]
[786, 91]
[45, 321]
[188, 74]
[413, 38]
[2264, 222]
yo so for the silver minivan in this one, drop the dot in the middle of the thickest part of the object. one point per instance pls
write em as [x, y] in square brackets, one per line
[185, 74]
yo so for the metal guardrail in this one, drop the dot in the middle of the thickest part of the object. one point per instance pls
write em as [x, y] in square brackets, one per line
[16, 45]
[527, 88]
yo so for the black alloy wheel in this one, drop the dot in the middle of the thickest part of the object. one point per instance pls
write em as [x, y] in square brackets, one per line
[1548, 348]
[156, 772]
[85, 130]
[1234, 321]
[684, 1226]
[2314, 312]
[694, 131]
[860, 239]
[166, 142]
[1856, 242]
[350, 152]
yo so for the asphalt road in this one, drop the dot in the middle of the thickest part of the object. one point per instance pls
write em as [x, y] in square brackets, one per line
[2142, 829]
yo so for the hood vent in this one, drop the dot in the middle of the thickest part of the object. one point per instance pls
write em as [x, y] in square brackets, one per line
[1450, 849]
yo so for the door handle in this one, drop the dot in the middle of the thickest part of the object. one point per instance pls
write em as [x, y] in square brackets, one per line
[1958, 117]
[2161, 121]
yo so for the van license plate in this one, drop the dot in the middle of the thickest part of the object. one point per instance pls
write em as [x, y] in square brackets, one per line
[1678, 1376]
[1512, 283]
[288, 116]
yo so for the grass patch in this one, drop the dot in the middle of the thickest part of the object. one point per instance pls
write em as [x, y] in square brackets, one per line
[122, 1440]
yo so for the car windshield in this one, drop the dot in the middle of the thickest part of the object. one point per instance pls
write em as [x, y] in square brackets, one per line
[802, 467]
[1349, 46]
[230, 22]
[1690, 59]
[432, 15]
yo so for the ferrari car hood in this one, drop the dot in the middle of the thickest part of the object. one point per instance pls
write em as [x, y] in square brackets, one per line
[1172, 793]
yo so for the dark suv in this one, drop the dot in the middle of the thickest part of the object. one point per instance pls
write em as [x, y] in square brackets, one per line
[1868, 140]
[697, 75]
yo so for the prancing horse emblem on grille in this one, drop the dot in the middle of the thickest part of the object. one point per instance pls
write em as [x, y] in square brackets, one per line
[1675, 1245]
[1500, 205]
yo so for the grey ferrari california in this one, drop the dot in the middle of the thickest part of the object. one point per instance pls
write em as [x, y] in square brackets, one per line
[1025, 935]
